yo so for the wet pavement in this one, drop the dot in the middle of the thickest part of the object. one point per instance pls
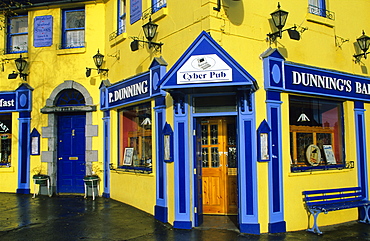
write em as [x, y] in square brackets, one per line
[76, 218]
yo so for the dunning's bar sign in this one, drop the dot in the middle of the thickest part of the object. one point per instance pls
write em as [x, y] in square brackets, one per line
[326, 82]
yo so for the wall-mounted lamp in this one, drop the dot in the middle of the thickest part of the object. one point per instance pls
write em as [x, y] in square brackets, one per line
[150, 29]
[279, 18]
[364, 44]
[21, 65]
[98, 60]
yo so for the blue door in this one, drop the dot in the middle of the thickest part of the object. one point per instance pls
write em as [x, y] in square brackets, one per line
[71, 153]
[198, 191]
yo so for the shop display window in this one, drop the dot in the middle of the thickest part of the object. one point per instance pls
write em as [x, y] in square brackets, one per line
[316, 133]
[5, 139]
[135, 138]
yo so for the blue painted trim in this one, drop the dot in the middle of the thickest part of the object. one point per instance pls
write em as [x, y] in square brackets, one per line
[204, 44]
[106, 195]
[249, 181]
[160, 209]
[182, 165]
[273, 95]
[182, 168]
[250, 228]
[361, 150]
[247, 168]
[24, 151]
[106, 153]
[276, 194]
[161, 213]
[359, 105]
[182, 224]
[23, 191]
[279, 227]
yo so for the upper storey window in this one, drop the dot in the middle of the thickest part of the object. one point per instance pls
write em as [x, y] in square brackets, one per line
[73, 28]
[319, 7]
[17, 34]
[158, 4]
[121, 17]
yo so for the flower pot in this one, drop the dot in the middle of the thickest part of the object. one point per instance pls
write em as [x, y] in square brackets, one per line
[91, 181]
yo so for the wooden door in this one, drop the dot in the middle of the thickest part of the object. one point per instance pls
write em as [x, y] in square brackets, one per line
[219, 183]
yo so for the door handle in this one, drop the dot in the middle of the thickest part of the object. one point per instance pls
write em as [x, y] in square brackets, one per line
[60, 158]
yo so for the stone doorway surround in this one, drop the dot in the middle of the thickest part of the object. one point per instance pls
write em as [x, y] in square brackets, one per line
[50, 131]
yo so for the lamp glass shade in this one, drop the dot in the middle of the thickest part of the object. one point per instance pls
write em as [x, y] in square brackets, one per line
[150, 29]
[279, 18]
[20, 63]
[364, 42]
[98, 59]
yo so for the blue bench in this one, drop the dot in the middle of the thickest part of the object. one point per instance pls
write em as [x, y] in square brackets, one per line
[318, 201]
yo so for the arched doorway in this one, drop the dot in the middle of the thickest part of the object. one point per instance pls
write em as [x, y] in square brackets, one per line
[69, 134]
[71, 166]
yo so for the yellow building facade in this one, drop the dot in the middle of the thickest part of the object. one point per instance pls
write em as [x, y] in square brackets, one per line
[218, 113]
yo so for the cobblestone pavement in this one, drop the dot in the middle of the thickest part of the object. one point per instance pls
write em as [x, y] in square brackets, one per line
[76, 218]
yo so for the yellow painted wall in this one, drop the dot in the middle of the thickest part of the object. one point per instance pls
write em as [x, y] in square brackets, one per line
[49, 67]
[240, 28]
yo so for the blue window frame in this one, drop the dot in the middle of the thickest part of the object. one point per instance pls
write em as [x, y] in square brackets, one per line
[17, 37]
[158, 4]
[73, 29]
[317, 7]
[121, 25]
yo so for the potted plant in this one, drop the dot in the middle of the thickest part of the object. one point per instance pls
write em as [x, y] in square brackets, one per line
[92, 178]
[38, 177]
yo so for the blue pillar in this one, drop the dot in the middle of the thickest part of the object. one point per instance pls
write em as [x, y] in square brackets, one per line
[161, 208]
[247, 166]
[24, 152]
[182, 164]
[361, 146]
[276, 200]
[106, 154]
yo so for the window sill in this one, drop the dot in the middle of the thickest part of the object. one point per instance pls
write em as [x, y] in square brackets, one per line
[320, 20]
[318, 172]
[130, 169]
[11, 56]
[71, 51]
[118, 39]
[5, 169]
[161, 13]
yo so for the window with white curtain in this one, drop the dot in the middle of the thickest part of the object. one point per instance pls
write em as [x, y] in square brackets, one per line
[17, 34]
[73, 28]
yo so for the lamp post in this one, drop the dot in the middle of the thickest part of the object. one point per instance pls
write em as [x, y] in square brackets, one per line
[98, 61]
[20, 64]
[279, 18]
[150, 30]
[364, 44]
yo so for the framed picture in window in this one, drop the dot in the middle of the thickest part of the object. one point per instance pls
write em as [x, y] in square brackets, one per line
[127, 158]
